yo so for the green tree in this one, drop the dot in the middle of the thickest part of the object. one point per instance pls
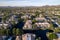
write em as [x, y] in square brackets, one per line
[17, 31]
[14, 31]
[33, 21]
[34, 26]
[21, 32]
[13, 22]
[37, 13]
[2, 32]
[57, 30]
[52, 36]
[7, 31]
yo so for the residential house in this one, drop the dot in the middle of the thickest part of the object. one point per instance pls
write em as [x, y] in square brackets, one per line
[40, 19]
[13, 18]
[5, 25]
[42, 22]
[18, 38]
[26, 16]
[58, 34]
[4, 37]
[28, 36]
[57, 13]
[28, 25]
[42, 25]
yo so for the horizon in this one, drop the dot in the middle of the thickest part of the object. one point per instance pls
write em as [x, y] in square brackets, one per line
[23, 3]
[31, 6]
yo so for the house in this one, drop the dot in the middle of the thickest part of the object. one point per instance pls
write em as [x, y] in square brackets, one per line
[13, 18]
[26, 16]
[4, 37]
[40, 19]
[5, 25]
[58, 14]
[18, 38]
[28, 36]
[41, 22]
[28, 25]
[40, 15]
[58, 34]
[43, 25]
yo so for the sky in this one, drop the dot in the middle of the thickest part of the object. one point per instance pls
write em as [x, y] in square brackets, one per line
[28, 2]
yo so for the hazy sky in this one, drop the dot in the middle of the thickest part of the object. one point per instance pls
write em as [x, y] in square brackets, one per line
[28, 2]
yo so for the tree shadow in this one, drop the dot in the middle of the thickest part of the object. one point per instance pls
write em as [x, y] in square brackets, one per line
[20, 25]
[39, 33]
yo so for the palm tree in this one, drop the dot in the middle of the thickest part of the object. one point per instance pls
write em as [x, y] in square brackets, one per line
[14, 31]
